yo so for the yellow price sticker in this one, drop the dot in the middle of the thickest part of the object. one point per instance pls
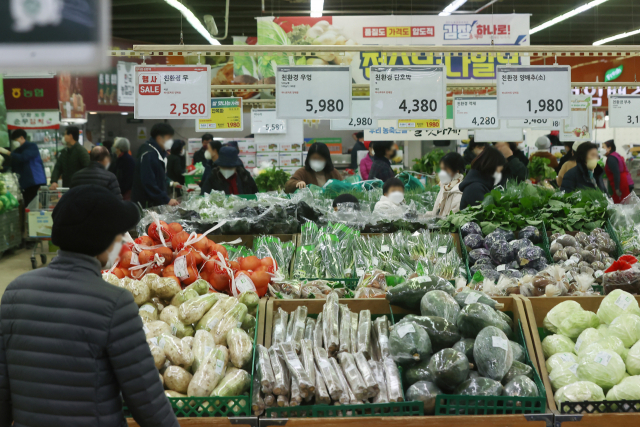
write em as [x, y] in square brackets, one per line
[226, 115]
[419, 124]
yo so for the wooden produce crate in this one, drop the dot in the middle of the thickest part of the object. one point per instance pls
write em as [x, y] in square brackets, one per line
[209, 422]
[247, 239]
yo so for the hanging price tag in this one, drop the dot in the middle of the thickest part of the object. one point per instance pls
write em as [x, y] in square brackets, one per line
[226, 115]
[624, 111]
[264, 121]
[360, 116]
[420, 124]
[533, 123]
[475, 112]
[313, 92]
[533, 92]
[417, 92]
[579, 125]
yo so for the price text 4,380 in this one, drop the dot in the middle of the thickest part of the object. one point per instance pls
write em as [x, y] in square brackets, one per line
[418, 105]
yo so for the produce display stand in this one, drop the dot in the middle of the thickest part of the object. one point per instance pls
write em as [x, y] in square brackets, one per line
[247, 239]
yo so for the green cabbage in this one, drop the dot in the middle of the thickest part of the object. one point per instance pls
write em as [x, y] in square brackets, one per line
[560, 359]
[627, 328]
[615, 304]
[557, 314]
[628, 389]
[576, 322]
[563, 375]
[553, 344]
[604, 367]
[603, 329]
[633, 360]
[588, 336]
[605, 343]
[579, 392]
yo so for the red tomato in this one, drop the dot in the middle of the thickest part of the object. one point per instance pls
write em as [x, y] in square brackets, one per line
[166, 253]
[126, 247]
[220, 282]
[145, 256]
[235, 265]
[261, 281]
[202, 244]
[193, 276]
[177, 242]
[144, 241]
[118, 273]
[219, 248]
[250, 263]
[125, 259]
[168, 271]
[175, 227]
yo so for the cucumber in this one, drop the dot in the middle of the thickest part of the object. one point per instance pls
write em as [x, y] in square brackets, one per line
[442, 333]
[449, 368]
[475, 317]
[492, 353]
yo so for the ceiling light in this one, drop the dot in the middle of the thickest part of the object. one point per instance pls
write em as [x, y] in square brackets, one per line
[452, 7]
[616, 37]
[317, 6]
[567, 15]
[125, 114]
[93, 112]
[191, 18]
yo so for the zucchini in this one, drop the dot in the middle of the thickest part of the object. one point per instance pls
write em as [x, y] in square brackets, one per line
[201, 286]
[250, 299]
[442, 333]
[475, 317]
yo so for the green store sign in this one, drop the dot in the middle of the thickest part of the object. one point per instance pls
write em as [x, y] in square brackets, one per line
[612, 74]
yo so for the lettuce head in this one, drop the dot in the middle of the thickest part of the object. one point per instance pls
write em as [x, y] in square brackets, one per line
[628, 389]
[576, 322]
[579, 392]
[588, 336]
[553, 344]
[557, 314]
[633, 360]
[627, 328]
[560, 359]
[604, 368]
[615, 304]
[563, 375]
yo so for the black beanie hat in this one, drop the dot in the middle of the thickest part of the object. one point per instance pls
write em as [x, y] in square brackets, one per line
[88, 217]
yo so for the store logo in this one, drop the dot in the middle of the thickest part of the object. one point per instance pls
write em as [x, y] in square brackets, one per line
[613, 73]
[149, 84]
[17, 92]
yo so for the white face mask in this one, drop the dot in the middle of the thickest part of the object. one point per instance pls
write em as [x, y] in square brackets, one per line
[227, 173]
[522, 146]
[317, 165]
[497, 177]
[113, 255]
[207, 155]
[15, 144]
[168, 144]
[396, 197]
[445, 178]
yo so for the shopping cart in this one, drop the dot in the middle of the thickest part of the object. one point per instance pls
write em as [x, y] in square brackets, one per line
[39, 222]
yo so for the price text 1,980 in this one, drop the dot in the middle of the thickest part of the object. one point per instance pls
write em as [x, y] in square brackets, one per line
[548, 105]
[484, 121]
[188, 109]
[419, 105]
[325, 105]
[361, 121]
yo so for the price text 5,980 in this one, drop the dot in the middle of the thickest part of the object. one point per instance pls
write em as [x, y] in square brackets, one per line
[548, 105]
[188, 109]
[419, 105]
[325, 105]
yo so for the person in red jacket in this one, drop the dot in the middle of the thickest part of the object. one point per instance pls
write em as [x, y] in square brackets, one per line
[619, 177]
[365, 164]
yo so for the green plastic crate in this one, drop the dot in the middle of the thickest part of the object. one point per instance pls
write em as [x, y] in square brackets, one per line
[614, 236]
[398, 409]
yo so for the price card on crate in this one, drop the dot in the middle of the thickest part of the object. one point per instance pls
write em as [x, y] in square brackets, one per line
[624, 111]
[225, 116]
[313, 92]
[420, 124]
[533, 123]
[165, 92]
[475, 112]
[533, 92]
[417, 92]
[360, 116]
[264, 121]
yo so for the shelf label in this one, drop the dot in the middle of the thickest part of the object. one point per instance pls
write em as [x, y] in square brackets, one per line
[624, 111]
[475, 112]
[360, 116]
[226, 115]
[264, 121]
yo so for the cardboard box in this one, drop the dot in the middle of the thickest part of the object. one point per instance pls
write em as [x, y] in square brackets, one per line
[304, 157]
[268, 147]
[291, 159]
[272, 158]
[290, 146]
[247, 146]
[290, 170]
[249, 160]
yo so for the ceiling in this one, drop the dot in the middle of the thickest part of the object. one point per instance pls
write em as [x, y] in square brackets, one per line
[154, 21]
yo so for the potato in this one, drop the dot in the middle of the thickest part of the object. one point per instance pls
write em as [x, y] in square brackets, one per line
[167, 363]
[158, 356]
[176, 351]
[156, 328]
[148, 312]
[177, 379]
[188, 342]
[165, 287]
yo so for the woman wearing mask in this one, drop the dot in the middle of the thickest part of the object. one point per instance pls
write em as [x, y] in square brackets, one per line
[451, 175]
[392, 201]
[229, 175]
[176, 166]
[616, 169]
[317, 170]
[365, 164]
[381, 169]
[587, 173]
[485, 173]
[518, 151]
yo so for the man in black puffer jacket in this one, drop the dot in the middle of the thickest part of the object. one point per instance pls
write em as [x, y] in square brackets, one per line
[72, 346]
[97, 173]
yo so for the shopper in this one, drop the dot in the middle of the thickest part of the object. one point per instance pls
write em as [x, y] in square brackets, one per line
[108, 144]
[97, 173]
[176, 166]
[317, 170]
[210, 155]
[568, 154]
[199, 156]
[485, 173]
[569, 163]
[346, 201]
[518, 151]
[149, 177]
[27, 163]
[587, 173]
[229, 175]
[391, 203]
[514, 169]
[619, 177]
[125, 166]
[381, 166]
[473, 150]
[451, 175]
[70, 159]
[543, 144]
[359, 146]
[365, 164]
[72, 346]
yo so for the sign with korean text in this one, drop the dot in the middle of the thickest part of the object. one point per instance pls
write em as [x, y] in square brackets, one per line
[534, 123]
[31, 94]
[226, 115]
[313, 92]
[33, 119]
[624, 111]
[182, 92]
[420, 123]
[126, 86]
[408, 92]
[388, 130]
[475, 112]
[533, 92]
[264, 121]
[360, 116]
[579, 125]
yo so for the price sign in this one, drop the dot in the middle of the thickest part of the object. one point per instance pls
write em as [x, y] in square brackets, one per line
[475, 112]
[399, 92]
[163, 92]
[624, 111]
[313, 92]
[264, 121]
[533, 92]
[579, 125]
[360, 116]
[420, 124]
[225, 115]
[533, 123]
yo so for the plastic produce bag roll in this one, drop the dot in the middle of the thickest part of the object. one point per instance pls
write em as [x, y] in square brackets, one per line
[354, 333]
[329, 375]
[257, 404]
[392, 375]
[299, 323]
[309, 328]
[353, 376]
[381, 328]
[295, 367]
[279, 332]
[306, 354]
[330, 323]
[368, 377]
[267, 379]
[348, 396]
[318, 332]
[280, 385]
[364, 332]
[378, 371]
[345, 329]
[322, 395]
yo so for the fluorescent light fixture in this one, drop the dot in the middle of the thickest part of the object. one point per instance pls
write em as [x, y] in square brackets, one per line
[125, 114]
[191, 18]
[93, 112]
[452, 7]
[317, 7]
[567, 15]
[616, 37]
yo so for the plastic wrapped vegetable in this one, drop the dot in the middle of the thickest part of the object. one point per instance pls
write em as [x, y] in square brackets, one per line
[148, 312]
[299, 323]
[615, 304]
[518, 351]
[280, 321]
[378, 371]
[280, 385]
[348, 396]
[212, 369]
[479, 387]
[309, 328]
[493, 238]
[306, 356]
[465, 345]
[474, 241]
[553, 344]
[517, 369]
[469, 296]
[296, 368]
[392, 375]
[418, 372]
[628, 389]
[604, 368]
[193, 310]
[231, 319]
[557, 314]
[425, 392]
[441, 304]
[563, 375]
[317, 333]
[521, 386]
[267, 379]
[216, 313]
[449, 368]
[170, 316]
[159, 357]
[381, 328]
[476, 254]
[184, 296]
[155, 329]
[586, 337]
[250, 299]
[367, 375]
[632, 361]
[475, 317]
[501, 253]
[470, 228]
[576, 322]
[330, 323]
[202, 345]
[353, 376]
[530, 232]
[234, 383]
[442, 333]
[345, 329]
[257, 404]
[409, 343]
[175, 350]
[579, 392]
[296, 395]
[177, 379]
[321, 394]
[364, 332]
[560, 359]
[164, 287]
[240, 347]
[492, 353]
[329, 375]
[354, 332]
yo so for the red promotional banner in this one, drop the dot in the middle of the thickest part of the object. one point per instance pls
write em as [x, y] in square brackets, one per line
[31, 94]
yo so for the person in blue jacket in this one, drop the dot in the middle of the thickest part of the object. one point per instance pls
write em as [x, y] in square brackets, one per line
[149, 176]
[26, 162]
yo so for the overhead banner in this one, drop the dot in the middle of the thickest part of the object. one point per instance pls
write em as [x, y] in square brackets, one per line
[401, 30]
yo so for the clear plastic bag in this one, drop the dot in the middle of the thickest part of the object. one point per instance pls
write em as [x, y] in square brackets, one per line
[364, 332]
[267, 379]
[240, 347]
[425, 392]
[394, 384]
[345, 329]
[330, 322]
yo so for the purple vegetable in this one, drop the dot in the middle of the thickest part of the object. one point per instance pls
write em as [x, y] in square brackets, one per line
[516, 245]
[485, 260]
[530, 232]
[501, 253]
[529, 254]
[474, 241]
[516, 274]
[470, 228]
[476, 254]
[539, 264]
[508, 235]
[493, 238]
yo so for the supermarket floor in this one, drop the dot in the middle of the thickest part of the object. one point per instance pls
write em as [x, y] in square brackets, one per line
[13, 265]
